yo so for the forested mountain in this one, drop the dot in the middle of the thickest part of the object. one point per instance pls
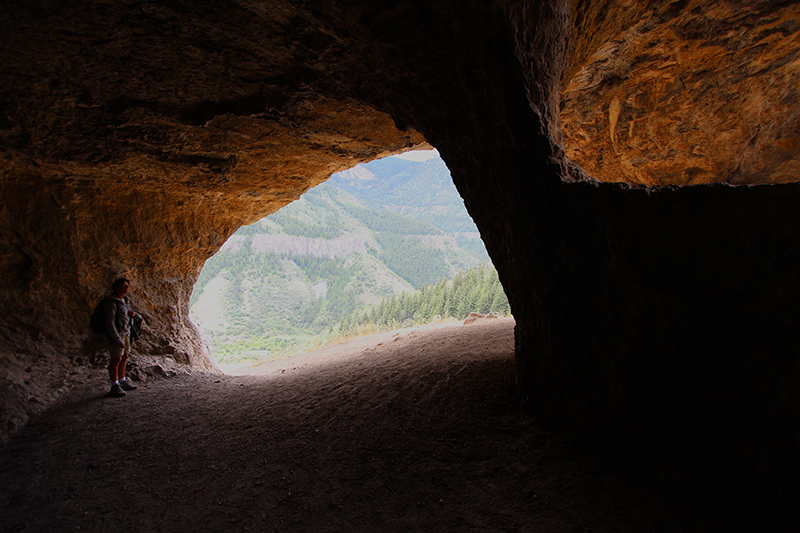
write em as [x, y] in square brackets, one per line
[477, 290]
[420, 190]
[292, 276]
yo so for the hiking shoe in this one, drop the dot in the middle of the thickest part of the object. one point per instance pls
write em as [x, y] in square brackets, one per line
[116, 391]
[127, 385]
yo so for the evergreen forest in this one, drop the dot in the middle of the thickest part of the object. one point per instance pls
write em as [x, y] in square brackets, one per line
[477, 290]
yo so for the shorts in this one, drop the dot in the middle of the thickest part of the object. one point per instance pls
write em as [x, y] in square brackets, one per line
[119, 351]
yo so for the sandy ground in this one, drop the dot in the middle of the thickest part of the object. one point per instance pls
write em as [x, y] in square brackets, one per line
[415, 430]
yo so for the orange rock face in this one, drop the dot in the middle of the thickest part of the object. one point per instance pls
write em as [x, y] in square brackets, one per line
[708, 94]
[135, 140]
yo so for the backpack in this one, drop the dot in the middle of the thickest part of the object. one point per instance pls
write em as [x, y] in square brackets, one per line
[137, 323]
[97, 322]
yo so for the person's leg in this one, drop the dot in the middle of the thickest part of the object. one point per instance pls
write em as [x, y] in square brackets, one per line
[114, 364]
[113, 368]
[123, 361]
[123, 381]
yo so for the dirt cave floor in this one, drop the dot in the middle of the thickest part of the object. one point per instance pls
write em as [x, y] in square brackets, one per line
[414, 430]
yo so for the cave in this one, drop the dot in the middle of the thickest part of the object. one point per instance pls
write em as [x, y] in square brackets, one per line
[631, 166]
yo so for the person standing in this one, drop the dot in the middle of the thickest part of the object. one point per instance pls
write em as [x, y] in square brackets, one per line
[118, 315]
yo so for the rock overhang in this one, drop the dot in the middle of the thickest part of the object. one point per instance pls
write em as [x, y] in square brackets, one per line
[699, 94]
[137, 137]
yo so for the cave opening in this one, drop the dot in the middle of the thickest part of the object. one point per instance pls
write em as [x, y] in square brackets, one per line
[656, 320]
[386, 244]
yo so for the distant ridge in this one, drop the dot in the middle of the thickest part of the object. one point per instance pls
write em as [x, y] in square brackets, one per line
[420, 190]
[292, 276]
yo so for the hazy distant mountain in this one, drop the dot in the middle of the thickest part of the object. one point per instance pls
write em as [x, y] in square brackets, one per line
[420, 190]
[297, 272]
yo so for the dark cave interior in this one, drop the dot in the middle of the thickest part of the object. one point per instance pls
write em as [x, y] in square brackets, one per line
[655, 317]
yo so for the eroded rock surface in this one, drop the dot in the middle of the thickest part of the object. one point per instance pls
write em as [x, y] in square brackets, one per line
[701, 94]
[136, 137]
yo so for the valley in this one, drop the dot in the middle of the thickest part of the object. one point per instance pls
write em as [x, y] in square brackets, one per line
[286, 283]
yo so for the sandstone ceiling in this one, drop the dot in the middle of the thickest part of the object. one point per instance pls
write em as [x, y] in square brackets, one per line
[136, 136]
[691, 93]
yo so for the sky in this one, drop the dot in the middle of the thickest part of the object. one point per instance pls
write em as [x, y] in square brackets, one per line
[418, 155]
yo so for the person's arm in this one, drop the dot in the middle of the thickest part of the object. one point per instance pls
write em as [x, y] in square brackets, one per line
[111, 323]
[131, 312]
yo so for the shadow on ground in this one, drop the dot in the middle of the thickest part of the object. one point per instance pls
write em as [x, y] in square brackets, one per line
[410, 431]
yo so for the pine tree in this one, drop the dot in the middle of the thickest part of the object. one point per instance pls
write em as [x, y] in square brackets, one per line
[484, 301]
[499, 304]
[344, 325]
[463, 303]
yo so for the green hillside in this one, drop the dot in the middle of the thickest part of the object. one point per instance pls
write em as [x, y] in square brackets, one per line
[423, 191]
[477, 290]
[278, 284]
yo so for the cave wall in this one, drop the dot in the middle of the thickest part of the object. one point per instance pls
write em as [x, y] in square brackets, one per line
[661, 319]
[135, 139]
[657, 322]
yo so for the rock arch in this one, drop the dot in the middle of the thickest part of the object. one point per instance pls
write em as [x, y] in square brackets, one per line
[137, 136]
